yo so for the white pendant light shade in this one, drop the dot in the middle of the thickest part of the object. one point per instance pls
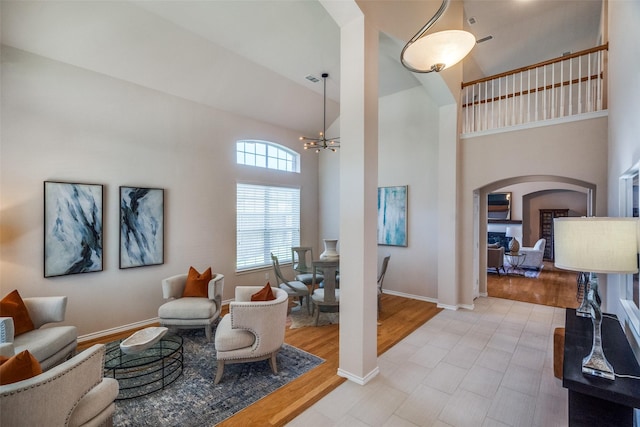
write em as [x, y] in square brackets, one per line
[437, 51]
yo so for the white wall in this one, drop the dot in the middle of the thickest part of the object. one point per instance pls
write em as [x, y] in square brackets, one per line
[624, 126]
[528, 153]
[64, 123]
[408, 153]
[575, 201]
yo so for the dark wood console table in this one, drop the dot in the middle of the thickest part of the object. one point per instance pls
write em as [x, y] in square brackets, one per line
[595, 401]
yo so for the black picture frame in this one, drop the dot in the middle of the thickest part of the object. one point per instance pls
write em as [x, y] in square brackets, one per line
[73, 228]
[141, 226]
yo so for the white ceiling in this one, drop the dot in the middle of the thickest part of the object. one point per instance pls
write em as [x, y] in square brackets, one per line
[526, 32]
[251, 57]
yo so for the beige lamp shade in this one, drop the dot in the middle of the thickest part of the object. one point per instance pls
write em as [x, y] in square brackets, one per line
[437, 51]
[596, 244]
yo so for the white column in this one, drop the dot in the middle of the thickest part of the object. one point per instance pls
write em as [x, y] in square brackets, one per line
[358, 200]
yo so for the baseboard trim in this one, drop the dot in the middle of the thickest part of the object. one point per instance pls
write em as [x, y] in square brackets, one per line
[416, 297]
[117, 330]
[427, 299]
[448, 306]
[356, 379]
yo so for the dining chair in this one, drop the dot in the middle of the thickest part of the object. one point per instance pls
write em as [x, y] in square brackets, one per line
[383, 272]
[294, 288]
[326, 299]
[302, 259]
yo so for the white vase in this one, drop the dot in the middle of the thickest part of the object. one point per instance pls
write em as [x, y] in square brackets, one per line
[330, 253]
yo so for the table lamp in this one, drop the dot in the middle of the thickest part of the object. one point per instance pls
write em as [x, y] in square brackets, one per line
[514, 245]
[591, 245]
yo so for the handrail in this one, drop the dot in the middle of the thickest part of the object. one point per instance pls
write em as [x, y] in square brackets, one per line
[539, 64]
[534, 90]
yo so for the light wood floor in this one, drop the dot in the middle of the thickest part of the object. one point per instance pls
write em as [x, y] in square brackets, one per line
[553, 287]
[399, 317]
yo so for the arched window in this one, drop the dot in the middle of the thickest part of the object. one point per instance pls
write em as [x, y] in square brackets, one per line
[264, 154]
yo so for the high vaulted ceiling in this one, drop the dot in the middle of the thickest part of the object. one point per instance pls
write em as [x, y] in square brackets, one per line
[251, 57]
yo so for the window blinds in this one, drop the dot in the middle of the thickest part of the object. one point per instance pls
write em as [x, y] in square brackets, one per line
[268, 220]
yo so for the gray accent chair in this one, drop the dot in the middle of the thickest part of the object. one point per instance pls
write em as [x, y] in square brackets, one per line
[252, 330]
[73, 393]
[495, 258]
[50, 346]
[190, 312]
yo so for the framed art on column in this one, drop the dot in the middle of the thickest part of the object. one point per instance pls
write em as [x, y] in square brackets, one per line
[141, 226]
[73, 235]
[392, 216]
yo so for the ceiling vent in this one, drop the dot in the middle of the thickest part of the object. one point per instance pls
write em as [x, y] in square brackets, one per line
[471, 20]
[311, 78]
[484, 39]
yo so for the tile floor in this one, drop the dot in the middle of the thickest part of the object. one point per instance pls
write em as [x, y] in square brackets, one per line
[492, 366]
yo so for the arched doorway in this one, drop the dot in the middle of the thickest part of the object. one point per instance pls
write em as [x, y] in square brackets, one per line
[480, 214]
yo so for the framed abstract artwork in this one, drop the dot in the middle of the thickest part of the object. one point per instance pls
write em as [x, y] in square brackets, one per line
[73, 235]
[392, 216]
[141, 226]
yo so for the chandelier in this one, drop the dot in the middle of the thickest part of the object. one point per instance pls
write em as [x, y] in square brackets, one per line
[322, 143]
[437, 51]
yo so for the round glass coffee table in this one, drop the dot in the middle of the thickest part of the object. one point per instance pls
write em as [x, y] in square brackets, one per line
[147, 371]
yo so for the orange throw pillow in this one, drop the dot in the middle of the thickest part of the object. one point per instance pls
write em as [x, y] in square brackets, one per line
[197, 283]
[264, 294]
[13, 306]
[18, 367]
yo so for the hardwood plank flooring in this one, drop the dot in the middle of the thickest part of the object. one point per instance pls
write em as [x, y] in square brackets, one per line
[553, 287]
[399, 317]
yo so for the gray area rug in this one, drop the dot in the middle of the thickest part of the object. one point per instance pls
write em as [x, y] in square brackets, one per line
[194, 400]
[530, 273]
[300, 319]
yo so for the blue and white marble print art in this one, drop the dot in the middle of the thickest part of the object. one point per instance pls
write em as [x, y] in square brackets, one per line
[141, 226]
[73, 228]
[392, 216]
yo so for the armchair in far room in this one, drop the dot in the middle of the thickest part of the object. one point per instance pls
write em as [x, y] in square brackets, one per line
[495, 257]
[535, 255]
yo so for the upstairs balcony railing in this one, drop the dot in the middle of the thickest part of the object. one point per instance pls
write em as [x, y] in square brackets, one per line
[566, 86]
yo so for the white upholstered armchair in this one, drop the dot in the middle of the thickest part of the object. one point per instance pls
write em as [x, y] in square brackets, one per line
[253, 330]
[50, 345]
[535, 255]
[73, 393]
[190, 312]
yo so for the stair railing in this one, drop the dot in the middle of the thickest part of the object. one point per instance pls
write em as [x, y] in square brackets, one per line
[566, 86]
